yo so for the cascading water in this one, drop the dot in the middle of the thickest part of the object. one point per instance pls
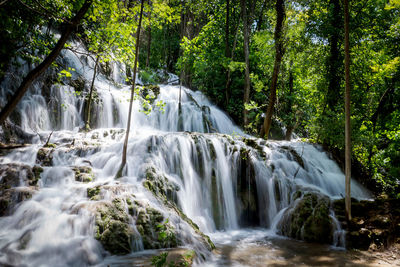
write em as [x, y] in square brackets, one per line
[220, 178]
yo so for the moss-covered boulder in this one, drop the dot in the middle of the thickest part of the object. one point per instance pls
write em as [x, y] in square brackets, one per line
[44, 156]
[83, 174]
[18, 183]
[156, 232]
[113, 228]
[172, 207]
[160, 185]
[10, 198]
[14, 174]
[308, 219]
[93, 193]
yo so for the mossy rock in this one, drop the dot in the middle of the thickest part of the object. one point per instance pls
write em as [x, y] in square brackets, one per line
[9, 198]
[160, 185]
[78, 84]
[156, 233]
[37, 171]
[83, 174]
[293, 155]
[93, 193]
[257, 147]
[308, 219]
[13, 173]
[147, 219]
[113, 228]
[44, 156]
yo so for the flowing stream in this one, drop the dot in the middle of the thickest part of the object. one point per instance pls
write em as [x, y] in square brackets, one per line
[227, 181]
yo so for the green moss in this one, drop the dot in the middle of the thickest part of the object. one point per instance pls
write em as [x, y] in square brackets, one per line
[50, 145]
[149, 218]
[44, 156]
[113, 229]
[37, 170]
[309, 219]
[83, 174]
[93, 193]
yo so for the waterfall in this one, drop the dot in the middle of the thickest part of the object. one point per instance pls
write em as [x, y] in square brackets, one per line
[221, 178]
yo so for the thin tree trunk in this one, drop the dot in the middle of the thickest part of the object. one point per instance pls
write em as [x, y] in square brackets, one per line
[347, 111]
[36, 72]
[128, 127]
[148, 44]
[227, 51]
[335, 59]
[260, 18]
[246, 96]
[291, 126]
[279, 51]
[87, 127]
[228, 78]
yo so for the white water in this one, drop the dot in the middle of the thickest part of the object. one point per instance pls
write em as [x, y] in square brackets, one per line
[58, 221]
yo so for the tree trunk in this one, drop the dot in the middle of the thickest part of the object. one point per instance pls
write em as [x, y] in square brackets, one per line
[148, 44]
[347, 111]
[87, 127]
[335, 59]
[36, 72]
[246, 33]
[260, 18]
[279, 51]
[128, 127]
[227, 54]
[232, 53]
[291, 126]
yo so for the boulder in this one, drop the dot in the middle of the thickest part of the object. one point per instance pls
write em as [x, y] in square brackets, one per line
[155, 231]
[44, 156]
[113, 228]
[374, 225]
[83, 174]
[307, 218]
[158, 184]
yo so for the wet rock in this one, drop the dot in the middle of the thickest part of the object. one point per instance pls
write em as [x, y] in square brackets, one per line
[13, 175]
[308, 219]
[94, 193]
[10, 198]
[360, 239]
[247, 202]
[44, 156]
[18, 182]
[78, 84]
[83, 174]
[207, 125]
[172, 207]
[160, 185]
[37, 170]
[373, 224]
[293, 155]
[176, 257]
[113, 228]
[156, 233]
[12, 133]
[251, 142]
